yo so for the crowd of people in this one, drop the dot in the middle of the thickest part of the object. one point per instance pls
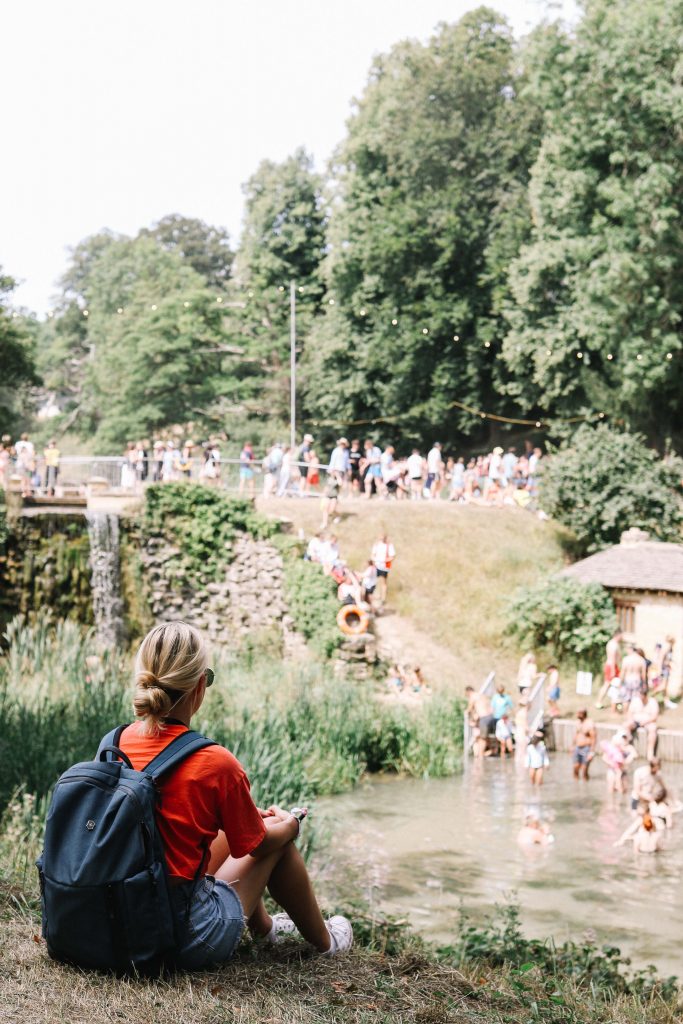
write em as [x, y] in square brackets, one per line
[352, 469]
[34, 470]
[356, 468]
[638, 690]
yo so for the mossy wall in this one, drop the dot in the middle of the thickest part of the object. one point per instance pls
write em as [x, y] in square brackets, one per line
[44, 564]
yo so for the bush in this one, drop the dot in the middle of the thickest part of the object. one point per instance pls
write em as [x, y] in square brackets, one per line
[603, 481]
[575, 620]
[313, 605]
[202, 522]
[601, 971]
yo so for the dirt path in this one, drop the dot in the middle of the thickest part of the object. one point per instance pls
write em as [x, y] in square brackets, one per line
[400, 641]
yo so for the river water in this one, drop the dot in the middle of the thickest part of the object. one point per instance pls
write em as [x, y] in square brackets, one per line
[424, 850]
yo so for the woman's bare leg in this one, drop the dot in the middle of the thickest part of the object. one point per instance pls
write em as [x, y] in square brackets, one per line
[285, 875]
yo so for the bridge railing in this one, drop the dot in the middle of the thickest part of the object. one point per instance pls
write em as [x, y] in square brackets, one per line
[76, 472]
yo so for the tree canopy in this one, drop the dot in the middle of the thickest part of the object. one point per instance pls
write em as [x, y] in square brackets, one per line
[497, 240]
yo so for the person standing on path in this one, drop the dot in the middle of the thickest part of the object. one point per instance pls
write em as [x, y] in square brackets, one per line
[584, 744]
[383, 553]
[633, 672]
[434, 470]
[611, 666]
[247, 470]
[415, 465]
[304, 460]
[51, 454]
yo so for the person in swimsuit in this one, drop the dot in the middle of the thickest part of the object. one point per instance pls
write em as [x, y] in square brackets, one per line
[584, 744]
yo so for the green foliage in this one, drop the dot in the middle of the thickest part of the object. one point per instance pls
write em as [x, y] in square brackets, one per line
[204, 248]
[603, 274]
[16, 359]
[298, 733]
[603, 972]
[283, 241]
[313, 604]
[604, 481]
[574, 620]
[202, 522]
[430, 206]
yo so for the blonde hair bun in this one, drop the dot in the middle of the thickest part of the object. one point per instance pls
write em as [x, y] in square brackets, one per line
[168, 666]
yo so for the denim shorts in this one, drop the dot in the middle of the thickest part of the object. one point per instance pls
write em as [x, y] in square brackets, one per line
[211, 926]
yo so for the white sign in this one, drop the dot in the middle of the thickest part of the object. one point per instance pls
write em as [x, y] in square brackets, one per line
[584, 683]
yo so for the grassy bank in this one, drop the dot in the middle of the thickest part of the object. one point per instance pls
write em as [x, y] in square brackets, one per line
[383, 982]
[455, 570]
[299, 732]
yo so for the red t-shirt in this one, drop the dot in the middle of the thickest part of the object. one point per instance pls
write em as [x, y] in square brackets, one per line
[207, 792]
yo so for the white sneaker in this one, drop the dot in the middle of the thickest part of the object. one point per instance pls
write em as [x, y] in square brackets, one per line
[341, 934]
[281, 927]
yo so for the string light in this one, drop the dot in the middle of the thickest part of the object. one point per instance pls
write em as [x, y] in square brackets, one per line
[301, 288]
[487, 344]
[362, 312]
[538, 423]
[639, 357]
[610, 356]
[425, 330]
[186, 305]
[14, 316]
[394, 322]
[579, 355]
[669, 355]
[281, 288]
[331, 302]
[456, 337]
[86, 312]
[548, 351]
[154, 305]
[218, 299]
[120, 309]
[250, 295]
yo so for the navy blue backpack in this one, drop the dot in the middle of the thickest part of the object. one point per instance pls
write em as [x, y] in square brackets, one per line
[103, 878]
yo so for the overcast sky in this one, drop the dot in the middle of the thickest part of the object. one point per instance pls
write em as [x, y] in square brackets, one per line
[115, 114]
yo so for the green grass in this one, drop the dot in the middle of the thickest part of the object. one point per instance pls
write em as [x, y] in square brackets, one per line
[299, 732]
[456, 568]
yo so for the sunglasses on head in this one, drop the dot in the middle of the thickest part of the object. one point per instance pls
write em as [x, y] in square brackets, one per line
[210, 676]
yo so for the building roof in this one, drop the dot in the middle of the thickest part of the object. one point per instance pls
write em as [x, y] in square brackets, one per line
[637, 563]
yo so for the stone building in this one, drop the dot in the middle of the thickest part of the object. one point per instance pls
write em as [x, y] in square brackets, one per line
[645, 579]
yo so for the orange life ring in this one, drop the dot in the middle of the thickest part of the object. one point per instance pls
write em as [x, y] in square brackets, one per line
[352, 620]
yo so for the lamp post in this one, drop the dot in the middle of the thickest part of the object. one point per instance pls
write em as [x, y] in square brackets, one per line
[292, 365]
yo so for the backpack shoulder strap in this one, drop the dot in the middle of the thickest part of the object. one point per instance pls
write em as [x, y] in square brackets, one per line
[112, 739]
[176, 751]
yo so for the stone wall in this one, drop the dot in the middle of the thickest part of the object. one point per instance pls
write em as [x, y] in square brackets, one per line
[247, 600]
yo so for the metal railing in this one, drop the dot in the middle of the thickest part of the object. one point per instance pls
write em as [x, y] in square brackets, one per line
[77, 472]
[535, 707]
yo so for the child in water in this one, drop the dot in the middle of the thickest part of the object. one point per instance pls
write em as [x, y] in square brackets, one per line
[537, 759]
[533, 833]
[617, 754]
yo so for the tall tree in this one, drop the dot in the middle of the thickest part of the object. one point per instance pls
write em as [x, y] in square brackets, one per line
[595, 321]
[16, 360]
[204, 247]
[283, 241]
[428, 188]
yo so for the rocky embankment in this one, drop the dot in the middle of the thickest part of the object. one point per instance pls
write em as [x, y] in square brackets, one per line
[247, 599]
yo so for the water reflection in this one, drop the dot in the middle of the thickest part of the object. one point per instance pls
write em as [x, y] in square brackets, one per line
[425, 849]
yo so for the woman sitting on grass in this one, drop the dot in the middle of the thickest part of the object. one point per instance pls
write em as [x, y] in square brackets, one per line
[221, 850]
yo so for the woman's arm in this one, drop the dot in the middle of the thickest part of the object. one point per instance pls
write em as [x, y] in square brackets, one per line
[281, 828]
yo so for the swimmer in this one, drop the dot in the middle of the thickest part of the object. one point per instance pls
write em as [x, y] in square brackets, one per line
[504, 735]
[533, 833]
[643, 832]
